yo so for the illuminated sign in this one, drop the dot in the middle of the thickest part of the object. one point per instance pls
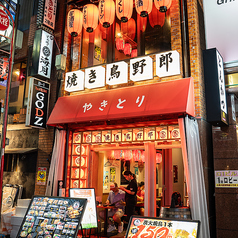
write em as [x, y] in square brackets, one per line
[4, 20]
[157, 227]
[117, 73]
[167, 64]
[50, 13]
[95, 77]
[226, 179]
[74, 81]
[141, 68]
[216, 102]
[42, 56]
[37, 106]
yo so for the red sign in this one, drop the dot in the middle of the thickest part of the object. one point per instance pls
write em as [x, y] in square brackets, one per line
[4, 20]
[3, 69]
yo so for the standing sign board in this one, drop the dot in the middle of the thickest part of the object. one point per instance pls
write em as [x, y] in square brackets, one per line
[37, 106]
[157, 227]
[52, 217]
[42, 54]
[90, 216]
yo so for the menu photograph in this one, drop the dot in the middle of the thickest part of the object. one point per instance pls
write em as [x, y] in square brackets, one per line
[52, 217]
[158, 227]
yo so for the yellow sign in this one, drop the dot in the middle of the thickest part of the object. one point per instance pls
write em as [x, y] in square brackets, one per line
[41, 176]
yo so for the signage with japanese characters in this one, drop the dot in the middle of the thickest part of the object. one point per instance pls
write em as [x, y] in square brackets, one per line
[226, 179]
[37, 106]
[3, 68]
[216, 102]
[157, 227]
[167, 64]
[95, 77]
[50, 13]
[74, 81]
[4, 20]
[117, 73]
[141, 68]
[42, 54]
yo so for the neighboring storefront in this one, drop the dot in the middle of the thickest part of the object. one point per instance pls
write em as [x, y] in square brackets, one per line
[128, 107]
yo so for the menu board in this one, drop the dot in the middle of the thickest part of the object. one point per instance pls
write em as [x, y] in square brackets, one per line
[159, 227]
[90, 215]
[52, 217]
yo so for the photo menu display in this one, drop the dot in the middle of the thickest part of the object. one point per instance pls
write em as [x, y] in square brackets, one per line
[160, 227]
[52, 217]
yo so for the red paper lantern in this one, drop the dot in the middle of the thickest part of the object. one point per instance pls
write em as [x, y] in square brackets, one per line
[90, 17]
[158, 158]
[156, 18]
[143, 23]
[106, 12]
[127, 154]
[129, 28]
[120, 44]
[142, 157]
[134, 53]
[136, 155]
[117, 154]
[124, 9]
[74, 22]
[127, 49]
[163, 5]
[143, 7]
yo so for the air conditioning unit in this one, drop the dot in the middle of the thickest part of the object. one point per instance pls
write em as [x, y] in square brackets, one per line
[5, 42]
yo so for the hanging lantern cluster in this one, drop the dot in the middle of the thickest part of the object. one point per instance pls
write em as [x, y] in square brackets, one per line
[105, 14]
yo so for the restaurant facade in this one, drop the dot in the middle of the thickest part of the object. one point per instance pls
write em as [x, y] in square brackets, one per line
[133, 98]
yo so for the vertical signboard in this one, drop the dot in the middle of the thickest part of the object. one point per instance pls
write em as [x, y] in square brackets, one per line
[42, 54]
[37, 106]
[215, 87]
[50, 13]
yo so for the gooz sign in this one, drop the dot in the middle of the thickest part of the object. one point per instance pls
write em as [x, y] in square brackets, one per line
[38, 100]
[4, 20]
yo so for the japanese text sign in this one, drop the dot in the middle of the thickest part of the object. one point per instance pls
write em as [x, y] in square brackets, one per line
[221, 79]
[157, 227]
[42, 56]
[50, 13]
[141, 68]
[74, 81]
[167, 64]
[95, 77]
[226, 179]
[4, 20]
[45, 54]
[117, 73]
[3, 68]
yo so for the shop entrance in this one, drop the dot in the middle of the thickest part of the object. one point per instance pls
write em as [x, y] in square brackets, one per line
[168, 168]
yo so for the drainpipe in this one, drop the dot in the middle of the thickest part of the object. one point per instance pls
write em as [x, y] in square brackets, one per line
[185, 38]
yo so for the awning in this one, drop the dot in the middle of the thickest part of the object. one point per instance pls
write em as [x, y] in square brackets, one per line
[173, 97]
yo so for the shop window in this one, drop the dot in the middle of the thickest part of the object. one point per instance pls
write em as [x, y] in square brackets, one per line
[121, 41]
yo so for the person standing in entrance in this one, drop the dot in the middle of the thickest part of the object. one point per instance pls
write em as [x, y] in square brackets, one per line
[130, 195]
